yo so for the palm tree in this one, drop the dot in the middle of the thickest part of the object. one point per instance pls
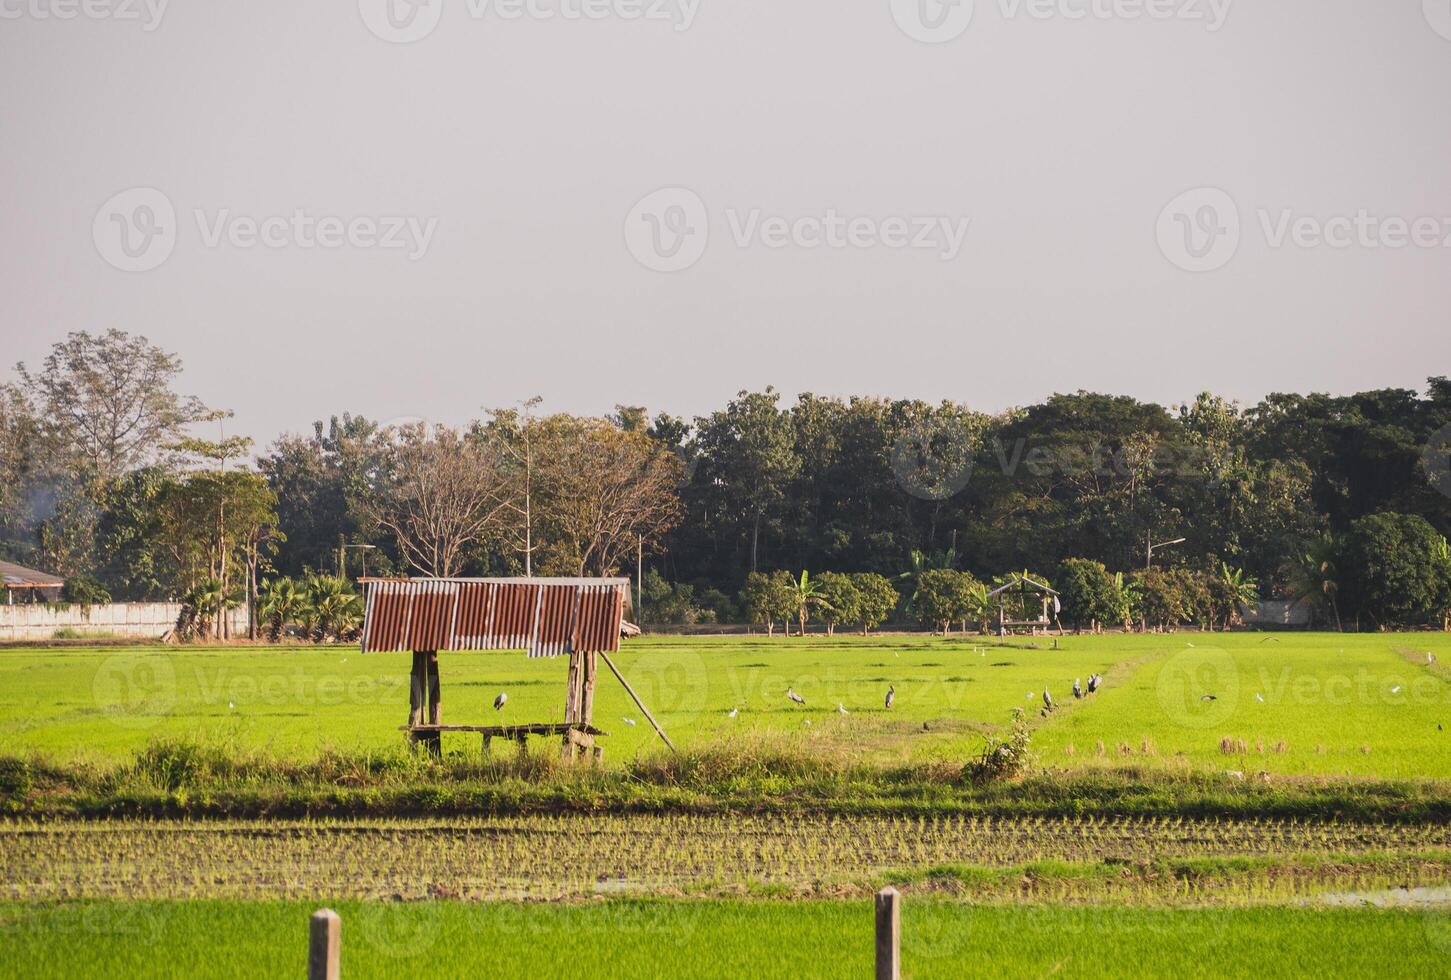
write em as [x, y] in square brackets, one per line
[1313, 576]
[336, 609]
[1236, 589]
[282, 603]
[806, 595]
[202, 607]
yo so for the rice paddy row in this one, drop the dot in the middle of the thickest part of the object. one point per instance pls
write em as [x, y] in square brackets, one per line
[580, 856]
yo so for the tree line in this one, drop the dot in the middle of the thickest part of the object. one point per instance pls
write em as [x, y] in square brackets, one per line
[1344, 500]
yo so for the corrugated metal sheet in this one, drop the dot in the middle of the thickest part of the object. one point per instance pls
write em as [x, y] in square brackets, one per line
[546, 617]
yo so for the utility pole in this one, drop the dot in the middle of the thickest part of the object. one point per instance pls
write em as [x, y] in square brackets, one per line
[1149, 547]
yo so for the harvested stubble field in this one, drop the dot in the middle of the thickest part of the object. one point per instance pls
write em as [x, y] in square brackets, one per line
[574, 857]
[1213, 800]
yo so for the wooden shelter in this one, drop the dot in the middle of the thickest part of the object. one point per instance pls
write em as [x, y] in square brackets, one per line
[28, 584]
[580, 618]
[1022, 590]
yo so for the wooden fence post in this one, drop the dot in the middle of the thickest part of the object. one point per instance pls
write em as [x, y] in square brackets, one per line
[889, 934]
[324, 947]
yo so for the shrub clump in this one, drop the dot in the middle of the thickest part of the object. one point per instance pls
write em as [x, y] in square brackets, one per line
[1003, 758]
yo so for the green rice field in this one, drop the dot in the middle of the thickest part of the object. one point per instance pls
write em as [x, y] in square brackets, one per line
[180, 811]
[1294, 704]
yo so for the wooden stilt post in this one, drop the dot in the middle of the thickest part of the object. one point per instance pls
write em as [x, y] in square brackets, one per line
[574, 701]
[324, 946]
[889, 934]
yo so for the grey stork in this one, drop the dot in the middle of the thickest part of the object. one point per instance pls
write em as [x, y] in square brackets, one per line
[793, 696]
[500, 701]
[891, 695]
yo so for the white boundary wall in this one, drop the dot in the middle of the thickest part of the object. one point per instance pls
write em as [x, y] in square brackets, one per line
[134, 619]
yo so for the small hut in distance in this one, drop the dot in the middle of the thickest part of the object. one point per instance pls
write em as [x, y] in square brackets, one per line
[23, 584]
[1017, 596]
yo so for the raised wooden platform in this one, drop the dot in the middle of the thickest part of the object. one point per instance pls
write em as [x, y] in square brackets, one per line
[578, 738]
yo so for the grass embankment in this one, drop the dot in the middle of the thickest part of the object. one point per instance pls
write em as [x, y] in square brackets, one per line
[183, 779]
[724, 938]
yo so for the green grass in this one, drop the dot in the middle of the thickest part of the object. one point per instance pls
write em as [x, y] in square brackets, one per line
[719, 938]
[1329, 703]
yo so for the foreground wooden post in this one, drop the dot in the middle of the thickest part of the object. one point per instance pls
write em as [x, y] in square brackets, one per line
[324, 947]
[889, 934]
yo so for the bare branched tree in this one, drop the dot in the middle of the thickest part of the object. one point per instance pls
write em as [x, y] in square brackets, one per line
[608, 490]
[442, 493]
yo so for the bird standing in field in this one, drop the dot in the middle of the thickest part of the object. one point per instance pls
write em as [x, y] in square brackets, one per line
[793, 696]
[629, 721]
[891, 696]
[1093, 681]
[733, 712]
[500, 701]
[1077, 689]
[841, 709]
[1047, 700]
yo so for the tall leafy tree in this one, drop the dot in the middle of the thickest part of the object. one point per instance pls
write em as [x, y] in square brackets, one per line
[110, 399]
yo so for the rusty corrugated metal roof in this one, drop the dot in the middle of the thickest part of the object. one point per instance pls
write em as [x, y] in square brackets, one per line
[545, 616]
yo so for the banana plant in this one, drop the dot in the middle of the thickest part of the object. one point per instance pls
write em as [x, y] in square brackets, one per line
[807, 595]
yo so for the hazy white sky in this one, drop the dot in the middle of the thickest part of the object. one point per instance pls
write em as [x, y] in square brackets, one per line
[1039, 156]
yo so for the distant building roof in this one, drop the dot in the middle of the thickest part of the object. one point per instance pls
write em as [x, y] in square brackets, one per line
[18, 577]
